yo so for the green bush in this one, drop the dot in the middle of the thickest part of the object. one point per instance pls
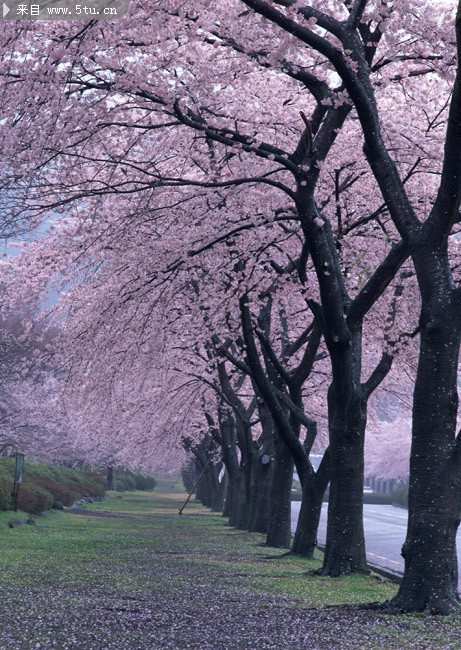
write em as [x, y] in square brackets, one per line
[378, 499]
[58, 491]
[127, 480]
[400, 496]
[121, 483]
[6, 487]
[144, 482]
[44, 483]
[33, 498]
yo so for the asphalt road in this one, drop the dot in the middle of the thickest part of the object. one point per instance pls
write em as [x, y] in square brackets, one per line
[385, 529]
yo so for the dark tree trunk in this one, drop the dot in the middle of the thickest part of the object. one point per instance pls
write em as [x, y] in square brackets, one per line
[261, 493]
[431, 576]
[204, 491]
[345, 545]
[218, 502]
[238, 429]
[219, 490]
[205, 471]
[287, 444]
[237, 498]
[111, 480]
[234, 496]
[305, 539]
[234, 488]
[209, 491]
[262, 472]
[246, 471]
[189, 475]
[279, 529]
[342, 319]
[227, 509]
[347, 401]
[227, 499]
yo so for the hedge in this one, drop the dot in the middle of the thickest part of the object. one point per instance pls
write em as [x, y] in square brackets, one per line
[44, 483]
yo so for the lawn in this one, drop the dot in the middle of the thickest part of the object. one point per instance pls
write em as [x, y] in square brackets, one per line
[129, 572]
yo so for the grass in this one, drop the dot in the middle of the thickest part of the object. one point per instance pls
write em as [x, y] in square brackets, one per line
[132, 573]
[44, 483]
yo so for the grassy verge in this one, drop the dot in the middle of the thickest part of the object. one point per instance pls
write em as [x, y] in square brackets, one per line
[130, 573]
[44, 483]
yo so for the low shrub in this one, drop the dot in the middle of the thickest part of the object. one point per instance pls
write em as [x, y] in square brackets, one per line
[34, 499]
[144, 482]
[77, 482]
[134, 481]
[44, 483]
[122, 485]
[58, 491]
[6, 487]
[378, 499]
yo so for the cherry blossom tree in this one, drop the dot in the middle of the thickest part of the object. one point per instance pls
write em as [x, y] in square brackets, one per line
[429, 581]
[137, 131]
[388, 449]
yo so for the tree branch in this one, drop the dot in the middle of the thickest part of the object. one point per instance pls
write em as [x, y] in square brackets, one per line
[377, 284]
[303, 370]
[445, 210]
[378, 374]
[284, 375]
[268, 394]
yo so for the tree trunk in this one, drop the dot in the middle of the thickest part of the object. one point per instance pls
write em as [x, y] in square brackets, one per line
[225, 490]
[204, 490]
[279, 529]
[236, 498]
[345, 545]
[246, 471]
[219, 490]
[431, 576]
[189, 475]
[261, 494]
[305, 539]
[209, 490]
[228, 498]
[262, 471]
[111, 480]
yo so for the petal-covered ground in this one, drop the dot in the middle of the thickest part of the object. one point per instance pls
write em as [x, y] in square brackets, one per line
[131, 574]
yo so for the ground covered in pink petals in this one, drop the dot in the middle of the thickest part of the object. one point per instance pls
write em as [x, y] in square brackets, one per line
[131, 573]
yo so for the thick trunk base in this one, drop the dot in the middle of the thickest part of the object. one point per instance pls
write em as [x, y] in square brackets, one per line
[345, 545]
[430, 581]
[433, 602]
[259, 521]
[305, 539]
[279, 530]
[234, 502]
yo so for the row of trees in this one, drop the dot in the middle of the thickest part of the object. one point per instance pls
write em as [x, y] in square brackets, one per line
[252, 217]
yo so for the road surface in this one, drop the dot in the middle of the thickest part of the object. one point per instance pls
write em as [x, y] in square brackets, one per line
[385, 529]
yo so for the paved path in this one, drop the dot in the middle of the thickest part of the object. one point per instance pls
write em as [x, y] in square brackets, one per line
[385, 529]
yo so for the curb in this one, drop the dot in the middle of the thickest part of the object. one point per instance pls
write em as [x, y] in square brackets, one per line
[393, 576]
